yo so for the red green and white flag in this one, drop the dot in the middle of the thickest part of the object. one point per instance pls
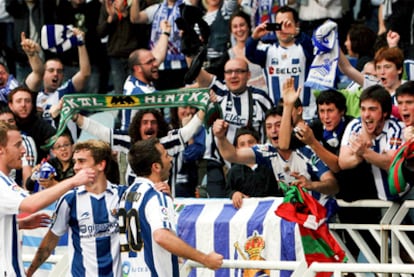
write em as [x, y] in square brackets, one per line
[397, 173]
[318, 243]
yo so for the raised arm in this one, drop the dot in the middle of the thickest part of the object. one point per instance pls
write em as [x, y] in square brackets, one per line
[290, 95]
[135, 13]
[346, 68]
[32, 49]
[93, 127]
[306, 135]
[189, 130]
[227, 150]
[80, 78]
[160, 49]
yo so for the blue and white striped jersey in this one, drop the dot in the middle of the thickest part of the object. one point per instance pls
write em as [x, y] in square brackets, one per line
[133, 86]
[92, 222]
[11, 195]
[302, 160]
[280, 63]
[143, 210]
[45, 101]
[390, 138]
[245, 109]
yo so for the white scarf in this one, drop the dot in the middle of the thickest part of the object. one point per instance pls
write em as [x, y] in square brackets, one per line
[326, 49]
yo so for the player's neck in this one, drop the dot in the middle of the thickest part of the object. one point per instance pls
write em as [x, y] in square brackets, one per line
[98, 186]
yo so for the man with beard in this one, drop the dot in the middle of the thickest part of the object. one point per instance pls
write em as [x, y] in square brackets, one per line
[21, 103]
[53, 86]
[374, 137]
[143, 65]
[146, 124]
[155, 240]
[14, 200]
[30, 157]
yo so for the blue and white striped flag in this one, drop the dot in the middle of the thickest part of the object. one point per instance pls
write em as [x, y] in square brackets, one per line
[409, 69]
[58, 38]
[253, 232]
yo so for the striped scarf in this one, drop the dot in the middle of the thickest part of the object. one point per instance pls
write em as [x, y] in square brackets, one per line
[197, 98]
[174, 41]
[322, 72]
[397, 173]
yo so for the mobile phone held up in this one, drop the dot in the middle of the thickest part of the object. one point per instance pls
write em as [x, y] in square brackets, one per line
[273, 26]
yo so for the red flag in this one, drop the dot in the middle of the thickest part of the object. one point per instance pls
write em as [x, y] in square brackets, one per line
[318, 243]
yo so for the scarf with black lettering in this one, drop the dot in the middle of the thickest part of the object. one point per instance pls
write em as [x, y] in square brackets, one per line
[197, 98]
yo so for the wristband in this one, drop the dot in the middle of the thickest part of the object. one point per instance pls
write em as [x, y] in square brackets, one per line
[166, 33]
[80, 40]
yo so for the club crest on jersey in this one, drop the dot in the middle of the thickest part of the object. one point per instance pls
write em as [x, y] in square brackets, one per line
[263, 147]
[53, 217]
[395, 141]
[16, 187]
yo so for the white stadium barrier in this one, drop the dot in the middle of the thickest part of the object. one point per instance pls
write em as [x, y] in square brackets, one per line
[390, 234]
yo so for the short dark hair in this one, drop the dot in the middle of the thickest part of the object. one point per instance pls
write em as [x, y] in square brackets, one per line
[287, 9]
[362, 40]
[4, 108]
[134, 127]
[405, 88]
[275, 110]
[246, 130]
[381, 95]
[142, 155]
[5, 66]
[133, 59]
[332, 96]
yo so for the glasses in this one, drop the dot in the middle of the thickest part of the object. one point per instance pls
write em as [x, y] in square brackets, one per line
[235, 71]
[62, 146]
[151, 61]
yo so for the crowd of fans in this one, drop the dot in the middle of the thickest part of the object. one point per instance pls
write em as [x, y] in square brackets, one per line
[274, 127]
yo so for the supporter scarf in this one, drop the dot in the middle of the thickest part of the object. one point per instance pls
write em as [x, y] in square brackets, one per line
[323, 69]
[318, 243]
[73, 103]
[174, 41]
[331, 137]
[397, 179]
[58, 38]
